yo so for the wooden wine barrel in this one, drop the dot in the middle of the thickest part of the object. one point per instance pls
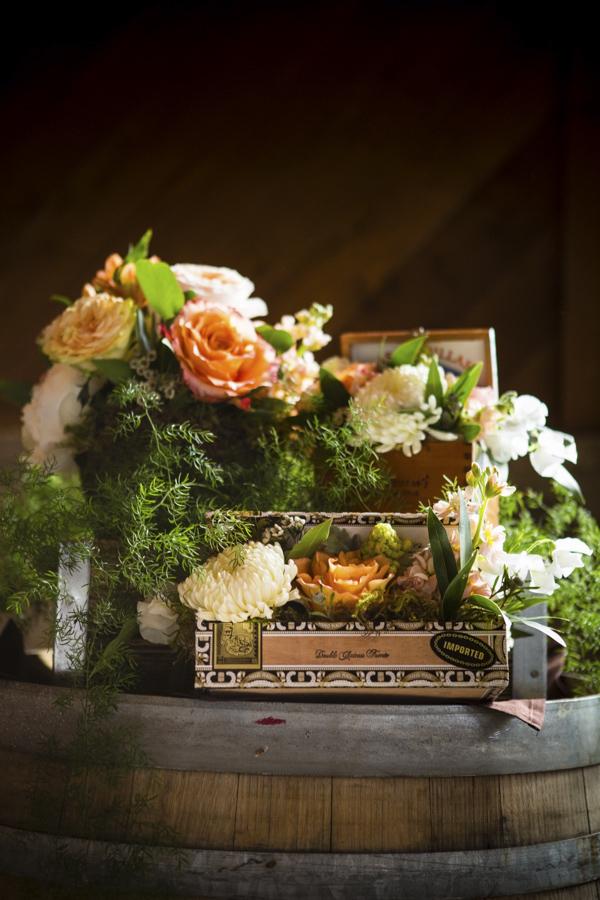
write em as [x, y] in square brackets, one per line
[295, 801]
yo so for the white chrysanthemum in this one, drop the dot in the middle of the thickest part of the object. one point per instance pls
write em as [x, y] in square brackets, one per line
[400, 387]
[240, 583]
[388, 430]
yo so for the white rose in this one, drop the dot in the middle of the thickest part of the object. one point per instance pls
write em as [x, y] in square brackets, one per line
[240, 583]
[224, 287]
[157, 621]
[54, 405]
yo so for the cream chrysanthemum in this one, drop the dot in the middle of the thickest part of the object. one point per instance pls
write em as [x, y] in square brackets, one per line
[240, 583]
[393, 410]
[388, 430]
[401, 387]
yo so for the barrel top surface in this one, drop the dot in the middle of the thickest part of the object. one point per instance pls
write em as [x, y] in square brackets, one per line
[282, 737]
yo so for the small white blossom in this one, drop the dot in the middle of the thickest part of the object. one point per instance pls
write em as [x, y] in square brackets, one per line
[306, 327]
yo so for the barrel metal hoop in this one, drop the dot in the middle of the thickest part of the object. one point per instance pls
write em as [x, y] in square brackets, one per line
[458, 875]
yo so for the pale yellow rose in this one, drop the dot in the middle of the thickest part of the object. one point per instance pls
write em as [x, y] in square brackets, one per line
[97, 327]
[342, 579]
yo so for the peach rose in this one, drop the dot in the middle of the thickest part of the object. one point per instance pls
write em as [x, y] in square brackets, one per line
[342, 579]
[219, 351]
[97, 327]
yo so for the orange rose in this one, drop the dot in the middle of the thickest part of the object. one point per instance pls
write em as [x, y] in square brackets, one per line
[342, 579]
[219, 351]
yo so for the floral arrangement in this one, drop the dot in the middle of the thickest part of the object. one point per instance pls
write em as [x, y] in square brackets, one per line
[190, 335]
[465, 571]
[168, 397]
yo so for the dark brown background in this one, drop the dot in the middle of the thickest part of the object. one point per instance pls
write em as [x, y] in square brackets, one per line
[414, 164]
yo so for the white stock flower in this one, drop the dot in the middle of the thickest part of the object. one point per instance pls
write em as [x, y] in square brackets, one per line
[297, 375]
[552, 450]
[511, 439]
[224, 287]
[567, 556]
[307, 326]
[157, 621]
[240, 583]
[54, 405]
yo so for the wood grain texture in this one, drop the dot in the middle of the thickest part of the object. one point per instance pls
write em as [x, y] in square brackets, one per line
[200, 807]
[21, 775]
[591, 777]
[466, 813]
[541, 807]
[283, 813]
[389, 815]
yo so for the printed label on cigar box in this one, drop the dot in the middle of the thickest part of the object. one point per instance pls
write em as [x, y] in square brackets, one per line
[237, 645]
[462, 649]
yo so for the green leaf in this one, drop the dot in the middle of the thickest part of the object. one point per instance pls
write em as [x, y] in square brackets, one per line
[141, 333]
[116, 370]
[563, 477]
[140, 251]
[62, 299]
[453, 597]
[310, 542]
[485, 603]
[333, 389]
[441, 549]
[167, 361]
[408, 352]
[464, 530]
[469, 430]
[160, 287]
[532, 623]
[112, 650]
[189, 295]
[462, 387]
[276, 337]
[434, 384]
[16, 392]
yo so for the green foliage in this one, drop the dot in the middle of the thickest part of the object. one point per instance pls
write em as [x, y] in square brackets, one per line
[16, 392]
[334, 391]
[311, 541]
[141, 249]
[408, 352]
[116, 370]
[160, 287]
[278, 338]
[575, 604]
